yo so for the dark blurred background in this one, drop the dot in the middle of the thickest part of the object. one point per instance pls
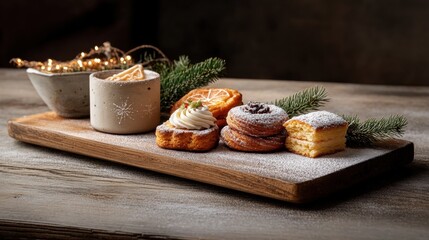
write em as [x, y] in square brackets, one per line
[366, 41]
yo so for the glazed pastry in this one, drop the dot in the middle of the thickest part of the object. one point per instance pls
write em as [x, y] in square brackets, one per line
[246, 143]
[315, 134]
[218, 100]
[255, 127]
[191, 127]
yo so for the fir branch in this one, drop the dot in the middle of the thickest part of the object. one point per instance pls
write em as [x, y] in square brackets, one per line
[181, 77]
[366, 134]
[304, 101]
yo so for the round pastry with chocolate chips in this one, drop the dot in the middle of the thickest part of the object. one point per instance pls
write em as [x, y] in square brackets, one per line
[255, 127]
[257, 119]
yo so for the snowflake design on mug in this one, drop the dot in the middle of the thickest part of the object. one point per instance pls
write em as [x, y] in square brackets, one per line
[123, 111]
[148, 109]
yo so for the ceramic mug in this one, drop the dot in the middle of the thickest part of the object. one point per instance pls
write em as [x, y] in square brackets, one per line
[124, 107]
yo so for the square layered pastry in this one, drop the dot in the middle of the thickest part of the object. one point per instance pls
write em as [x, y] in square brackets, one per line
[316, 134]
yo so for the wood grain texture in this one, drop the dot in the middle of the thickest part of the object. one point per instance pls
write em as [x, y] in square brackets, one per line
[52, 190]
[24, 230]
[300, 181]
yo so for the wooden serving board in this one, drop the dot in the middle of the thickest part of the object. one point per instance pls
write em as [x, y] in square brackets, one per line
[280, 175]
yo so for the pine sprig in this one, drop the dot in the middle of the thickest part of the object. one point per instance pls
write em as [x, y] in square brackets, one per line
[179, 78]
[304, 101]
[367, 133]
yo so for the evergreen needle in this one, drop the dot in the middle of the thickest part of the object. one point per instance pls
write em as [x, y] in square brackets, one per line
[180, 77]
[365, 134]
[304, 101]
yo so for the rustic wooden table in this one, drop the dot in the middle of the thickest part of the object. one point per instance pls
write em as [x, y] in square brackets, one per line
[46, 193]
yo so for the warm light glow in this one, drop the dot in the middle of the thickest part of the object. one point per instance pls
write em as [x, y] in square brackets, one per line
[98, 58]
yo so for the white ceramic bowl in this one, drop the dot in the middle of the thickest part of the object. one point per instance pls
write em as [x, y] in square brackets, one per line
[125, 107]
[67, 94]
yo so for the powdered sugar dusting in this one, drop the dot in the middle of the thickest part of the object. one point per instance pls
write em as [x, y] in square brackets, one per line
[229, 135]
[321, 119]
[279, 165]
[274, 117]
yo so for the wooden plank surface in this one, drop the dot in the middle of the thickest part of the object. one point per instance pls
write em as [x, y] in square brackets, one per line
[280, 175]
[45, 192]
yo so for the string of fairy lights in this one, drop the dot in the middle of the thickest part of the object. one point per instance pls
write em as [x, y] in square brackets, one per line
[99, 58]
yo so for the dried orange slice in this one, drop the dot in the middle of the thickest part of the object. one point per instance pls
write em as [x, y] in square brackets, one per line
[218, 100]
[210, 96]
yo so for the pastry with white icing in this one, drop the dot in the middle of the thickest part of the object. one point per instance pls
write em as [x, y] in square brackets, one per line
[315, 134]
[191, 127]
[218, 100]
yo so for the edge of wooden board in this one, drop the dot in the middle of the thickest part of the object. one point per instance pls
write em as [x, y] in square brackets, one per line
[274, 188]
[200, 172]
[352, 175]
